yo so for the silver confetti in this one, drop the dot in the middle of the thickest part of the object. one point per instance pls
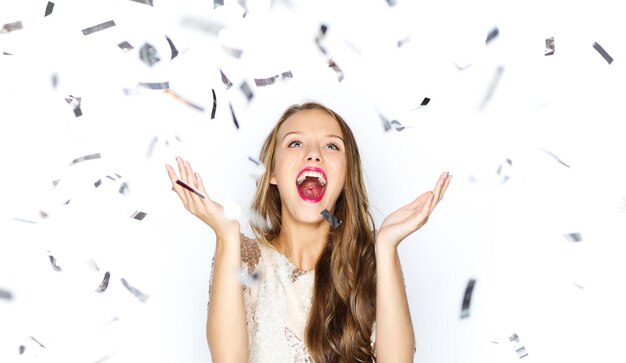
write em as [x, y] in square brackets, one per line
[138, 294]
[139, 215]
[331, 219]
[147, 2]
[75, 103]
[49, 8]
[549, 46]
[125, 46]
[335, 67]
[603, 52]
[555, 157]
[104, 284]
[148, 54]
[320, 36]
[261, 82]
[53, 262]
[225, 80]
[467, 298]
[492, 35]
[246, 90]
[155, 85]
[5, 294]
[233, 52]
[9, 27]
[574, 237]
[492, 86]
[85, 158]
[98, 27]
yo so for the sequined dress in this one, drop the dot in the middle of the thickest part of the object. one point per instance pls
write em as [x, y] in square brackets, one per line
[277, 304]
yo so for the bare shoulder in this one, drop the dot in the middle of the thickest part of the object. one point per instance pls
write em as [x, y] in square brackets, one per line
[250, 252]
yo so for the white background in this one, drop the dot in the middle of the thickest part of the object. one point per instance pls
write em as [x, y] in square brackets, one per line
[503, 224]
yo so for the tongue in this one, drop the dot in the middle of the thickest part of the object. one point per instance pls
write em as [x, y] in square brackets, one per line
[311, 189]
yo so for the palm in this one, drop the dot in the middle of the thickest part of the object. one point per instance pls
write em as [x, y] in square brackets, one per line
[408, 219]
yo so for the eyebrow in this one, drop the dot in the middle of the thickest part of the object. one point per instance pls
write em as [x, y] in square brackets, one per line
[300, 133]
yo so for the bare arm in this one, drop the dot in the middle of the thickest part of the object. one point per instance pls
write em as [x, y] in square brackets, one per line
[395, 340]
[226, 321]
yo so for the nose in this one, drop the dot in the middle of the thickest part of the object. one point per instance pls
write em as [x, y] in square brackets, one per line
[313, 155]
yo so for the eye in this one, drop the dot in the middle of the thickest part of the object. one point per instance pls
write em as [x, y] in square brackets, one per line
[295, 143]
[332, 146]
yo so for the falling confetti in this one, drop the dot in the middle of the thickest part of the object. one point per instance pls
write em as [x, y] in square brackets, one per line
[49, 8]
[603, 53]
[138, 294]
[225, 80]
[320, 36]
[217, 3]
[492, 35]
[394, 124]
[331, 219]
[53, 262]
[172, 47]
[467, 298]
[7, 28]
[403, 41]
[335, 67]
[232, 112]
[425, 101]
[190, 188]
[183, 100]
[574, 237]
[214, 104]
[261, 82]
[259, 169]
[148, 54]
[85, 158]
[99, 27]
[495, 80]
[520, 350]
[75, 103]
[5, 294]
[233, 52]
[555, 157]
[155, 85]
[125, 46]
[246, 90]
[549, 46]
[139, 215]
[105, 283]
[147, 2]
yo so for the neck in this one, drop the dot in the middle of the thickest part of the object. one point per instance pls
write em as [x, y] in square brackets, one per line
[302, 243]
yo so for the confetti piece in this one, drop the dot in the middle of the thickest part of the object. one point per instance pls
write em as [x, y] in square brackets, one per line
[99, 27]
[225, 80]
[99, 181]
[106, 357]
[233, 52]
[36, 341]
[388, 125]
[549, 46]
[603, 52]
[55, 80]
[181, 99]
[261, 82]
[574, 237]
[214, 103]
[21, 349]
[492, 35]
[148, 54]
[403, 41]
[104, 284]
[555, 157]
[521, 352]
[75, 102]
[217, 3]
[5, 294]
[53, 262]
[320, 36]
[190, 188]
[492, 86]
[392, 2]
[147, 2]
[169, 41]
[139, 215]
[24, 220]
[232, 112]
[9, 27]
[125, 46]
[85, 158]
[578, 285]
[138, 294]
[514, 338]
[425, 101]
[467, 298]
[335, 67]
[246, 90]
[124, 190]
[93, 265]
[155, 85]
[331, 219]
[49, 8]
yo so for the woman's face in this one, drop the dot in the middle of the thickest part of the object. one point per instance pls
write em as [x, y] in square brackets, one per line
[309, 165]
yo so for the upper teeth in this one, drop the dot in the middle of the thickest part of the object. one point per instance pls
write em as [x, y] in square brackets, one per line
[314, 174]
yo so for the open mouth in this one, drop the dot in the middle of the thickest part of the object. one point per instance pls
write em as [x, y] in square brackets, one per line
[311, 184]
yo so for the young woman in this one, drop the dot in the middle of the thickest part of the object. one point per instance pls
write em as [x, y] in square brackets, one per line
[322, 294]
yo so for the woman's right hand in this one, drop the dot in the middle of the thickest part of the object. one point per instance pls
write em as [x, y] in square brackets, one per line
[207, 210]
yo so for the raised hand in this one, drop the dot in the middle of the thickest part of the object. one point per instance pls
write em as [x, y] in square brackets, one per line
[408, 219]
[201, 206]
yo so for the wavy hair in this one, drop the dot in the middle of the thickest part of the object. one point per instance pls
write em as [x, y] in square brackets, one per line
[343, 309]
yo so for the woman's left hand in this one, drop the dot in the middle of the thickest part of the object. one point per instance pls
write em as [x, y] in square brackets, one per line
[408, 219]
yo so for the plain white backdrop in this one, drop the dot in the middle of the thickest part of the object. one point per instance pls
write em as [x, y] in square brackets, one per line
[537, 153]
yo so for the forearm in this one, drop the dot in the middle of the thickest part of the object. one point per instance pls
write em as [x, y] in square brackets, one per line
[226, 321]
[395, 340]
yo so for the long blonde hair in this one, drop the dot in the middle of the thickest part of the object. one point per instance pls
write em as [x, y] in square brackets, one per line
[343, 310]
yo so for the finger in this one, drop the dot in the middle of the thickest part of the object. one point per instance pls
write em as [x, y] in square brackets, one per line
[438, 188]
[175, 187]
[445, 187]
[183, 177]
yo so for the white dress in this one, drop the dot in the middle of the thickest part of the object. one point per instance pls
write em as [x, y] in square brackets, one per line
[277, 297]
